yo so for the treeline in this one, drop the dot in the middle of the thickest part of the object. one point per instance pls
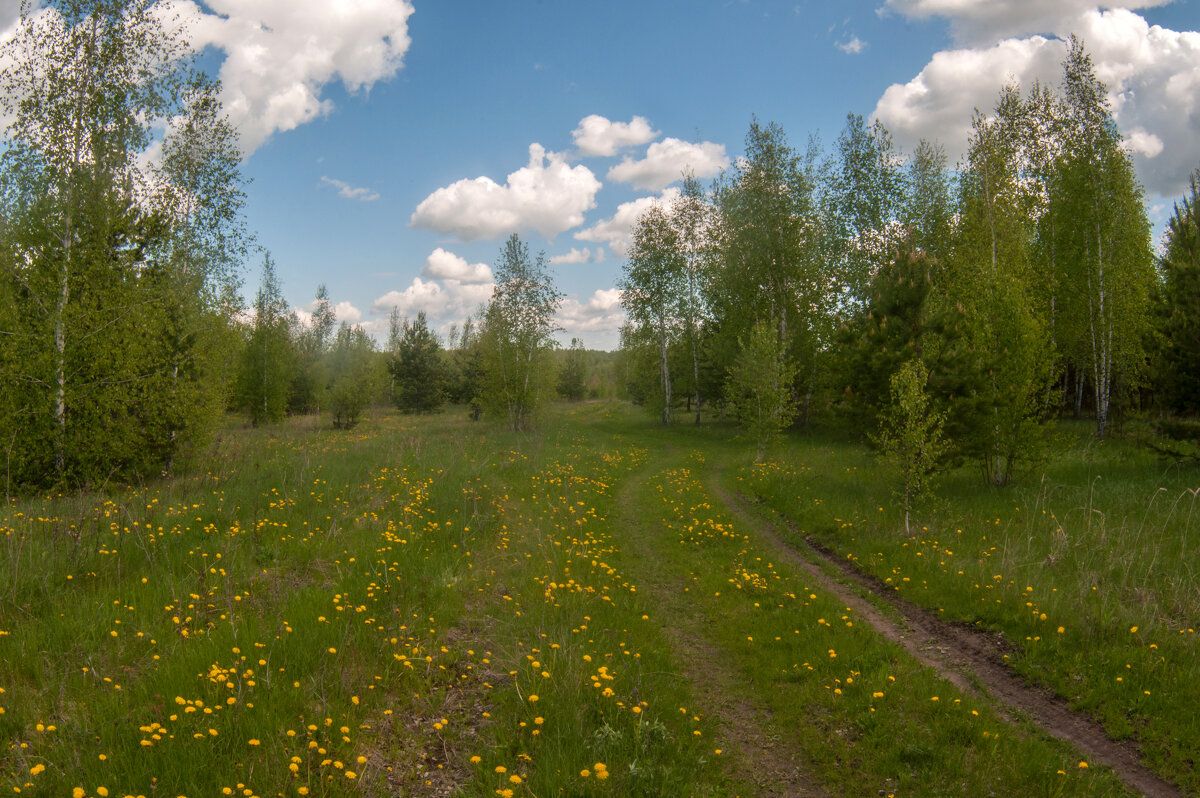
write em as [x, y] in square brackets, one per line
[123, 338]
[502, 358]
[1020, 287]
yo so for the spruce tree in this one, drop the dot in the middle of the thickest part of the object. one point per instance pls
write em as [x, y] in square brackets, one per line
[417, 368]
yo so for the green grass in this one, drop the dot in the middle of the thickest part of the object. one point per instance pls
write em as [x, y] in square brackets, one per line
[1089, 567]
[310, 604]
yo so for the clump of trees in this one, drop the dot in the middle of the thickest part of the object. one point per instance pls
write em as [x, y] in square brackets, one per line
[999, 296]
[291, 367]
[517, 338]
[117, 278]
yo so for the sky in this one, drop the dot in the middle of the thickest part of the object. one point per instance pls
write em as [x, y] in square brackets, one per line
[393, 145]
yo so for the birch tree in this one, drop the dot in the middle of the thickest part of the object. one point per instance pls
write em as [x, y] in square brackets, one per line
[518, 334]
[113, 315]
[769, 265]
[1104, 237]
[991, 281]
[653, 292]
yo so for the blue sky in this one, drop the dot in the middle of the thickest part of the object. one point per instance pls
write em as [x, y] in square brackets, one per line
[381, 134]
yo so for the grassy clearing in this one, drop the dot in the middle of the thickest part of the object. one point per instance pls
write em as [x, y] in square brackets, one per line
[1091, 571]
[430, 606]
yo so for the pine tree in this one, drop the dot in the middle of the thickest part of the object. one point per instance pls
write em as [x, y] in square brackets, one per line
[1179, 362]
[417, 368]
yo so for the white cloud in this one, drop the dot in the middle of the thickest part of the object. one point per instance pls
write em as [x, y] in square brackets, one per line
[281, 54]
[350, 192]
[938, 103]
[1152, 73]
[443, 265]
[1143, 143]
[601, 313]
[452, 289]
[617, 231]
[548, 195]
[342, 311]
[667, 160]
[852, 46]
[987, 21]
[576, 255]
[598, 136]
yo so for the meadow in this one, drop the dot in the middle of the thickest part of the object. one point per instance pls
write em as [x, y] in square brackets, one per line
[433, 606]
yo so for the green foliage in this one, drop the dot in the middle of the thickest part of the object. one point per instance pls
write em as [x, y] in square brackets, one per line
[652, 293]
[354, 376]
[120, 276]
[1103, 249]
[417, 368]
[310, 344]
[759, 387]
[572, 376]
[265, 373]
[991, 280]
[910, 435]
[769, 262]
[517, 338]
[904, 319]
[464, 367]
[1179, 308]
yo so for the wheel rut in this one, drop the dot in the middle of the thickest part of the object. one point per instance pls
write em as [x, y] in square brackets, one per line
[969, 658]
[763, 761]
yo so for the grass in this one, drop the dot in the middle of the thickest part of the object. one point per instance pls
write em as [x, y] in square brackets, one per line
[432, 606]
[1088, 567]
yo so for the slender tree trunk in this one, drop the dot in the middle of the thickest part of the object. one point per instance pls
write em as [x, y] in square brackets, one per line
[665, 375]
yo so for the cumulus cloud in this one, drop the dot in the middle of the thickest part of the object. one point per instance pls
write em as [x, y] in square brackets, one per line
[938, 103]
[667, 160]
[987, 21]
[617, 231]
[547, 195]
[342, 311]
[852, 46]
[280, 55]
[350, 192]
[440, 300]
[451, 289]
[443, 265]
[576, 255]
[1152, 74]
[601, 313]
[598, 136]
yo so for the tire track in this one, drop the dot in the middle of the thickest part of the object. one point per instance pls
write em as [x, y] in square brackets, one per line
[971, 659]
[762, 759]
